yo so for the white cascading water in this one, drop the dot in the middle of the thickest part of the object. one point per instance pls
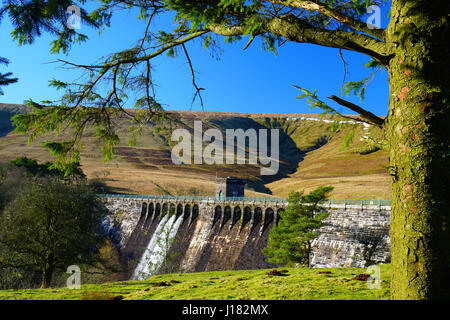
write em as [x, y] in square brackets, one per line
[155, 252]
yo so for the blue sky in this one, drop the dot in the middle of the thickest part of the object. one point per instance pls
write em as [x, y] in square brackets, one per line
[240, 81]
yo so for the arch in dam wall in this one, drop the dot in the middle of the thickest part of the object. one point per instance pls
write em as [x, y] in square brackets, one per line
[218, 228]
[223, 211]
[150, 212]
[226, 216]
[157, 211]
[186, 212]
[179, 210]
[237, 213]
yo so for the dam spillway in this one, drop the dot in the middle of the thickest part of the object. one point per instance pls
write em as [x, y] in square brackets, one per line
[157, 248]
[229, 234]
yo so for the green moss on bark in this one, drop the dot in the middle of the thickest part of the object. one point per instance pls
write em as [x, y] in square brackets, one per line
[419, 138]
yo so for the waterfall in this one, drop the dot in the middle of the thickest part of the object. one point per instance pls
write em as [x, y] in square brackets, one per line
[157, 247]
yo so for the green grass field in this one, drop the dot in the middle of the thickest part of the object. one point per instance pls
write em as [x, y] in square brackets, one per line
[296, 284]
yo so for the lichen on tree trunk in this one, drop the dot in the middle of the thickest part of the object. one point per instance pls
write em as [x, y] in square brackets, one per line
[418, 131]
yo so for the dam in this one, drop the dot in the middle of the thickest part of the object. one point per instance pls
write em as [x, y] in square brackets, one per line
[193, 233]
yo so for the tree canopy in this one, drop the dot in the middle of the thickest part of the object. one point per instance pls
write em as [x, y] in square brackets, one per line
[50, 226]
[5, 78]
[73, 171]
[290, 241]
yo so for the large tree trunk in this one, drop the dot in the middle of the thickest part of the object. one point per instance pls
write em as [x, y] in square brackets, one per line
[418, 131]
[47, 271]
[46, 278]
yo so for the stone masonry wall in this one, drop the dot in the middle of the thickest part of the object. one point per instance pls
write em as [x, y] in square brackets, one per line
[344, 240]
[347, 233]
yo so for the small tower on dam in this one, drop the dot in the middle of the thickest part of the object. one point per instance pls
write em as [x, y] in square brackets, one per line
[229, 187]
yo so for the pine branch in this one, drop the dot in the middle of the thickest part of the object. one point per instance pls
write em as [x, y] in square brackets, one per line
[362, 112]
[136, 59]
[194, 83]
[297, 30]
[333, 13]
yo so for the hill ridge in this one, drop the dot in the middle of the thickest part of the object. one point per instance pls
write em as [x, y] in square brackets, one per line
[309, 157]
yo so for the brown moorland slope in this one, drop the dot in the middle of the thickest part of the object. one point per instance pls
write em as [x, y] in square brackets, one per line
[309, 156]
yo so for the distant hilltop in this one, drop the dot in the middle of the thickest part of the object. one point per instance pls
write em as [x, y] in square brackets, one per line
[17, 108]
[310, 155]
[223, 114]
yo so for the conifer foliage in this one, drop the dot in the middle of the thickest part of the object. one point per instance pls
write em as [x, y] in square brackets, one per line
[290, 241]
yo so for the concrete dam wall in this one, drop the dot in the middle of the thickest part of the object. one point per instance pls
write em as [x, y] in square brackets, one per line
[207, 235]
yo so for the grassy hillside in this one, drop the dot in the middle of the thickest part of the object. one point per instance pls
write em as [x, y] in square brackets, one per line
[352, 174]
[308, 157]
[6, 112]
[296, 284]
